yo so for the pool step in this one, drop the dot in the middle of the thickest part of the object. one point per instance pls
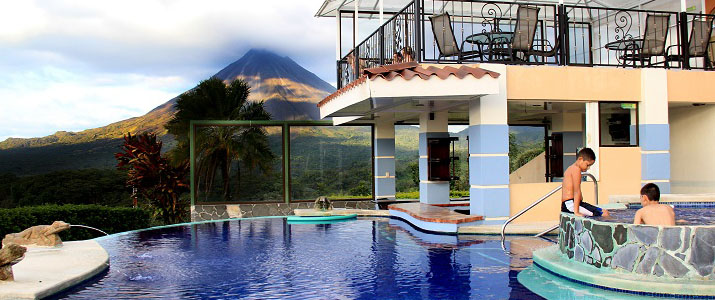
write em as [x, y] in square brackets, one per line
[432, 218]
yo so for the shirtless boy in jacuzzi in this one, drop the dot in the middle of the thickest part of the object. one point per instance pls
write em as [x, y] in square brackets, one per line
[571, 196]
[653, 213]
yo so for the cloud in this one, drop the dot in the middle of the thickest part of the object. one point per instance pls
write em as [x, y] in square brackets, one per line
[73, 65]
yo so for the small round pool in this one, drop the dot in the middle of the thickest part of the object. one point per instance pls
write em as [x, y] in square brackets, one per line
[684, 215]
[368, 258]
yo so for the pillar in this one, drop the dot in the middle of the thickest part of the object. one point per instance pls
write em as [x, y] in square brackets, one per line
[489, 153]
[570, 125]
[432, 125]
[384, 158]
[593, 136]
[653, 129]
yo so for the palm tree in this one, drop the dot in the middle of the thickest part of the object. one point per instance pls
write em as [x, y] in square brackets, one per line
[217, 147]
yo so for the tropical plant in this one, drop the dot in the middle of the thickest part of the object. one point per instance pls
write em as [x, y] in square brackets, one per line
[153, 176]
[217, 147]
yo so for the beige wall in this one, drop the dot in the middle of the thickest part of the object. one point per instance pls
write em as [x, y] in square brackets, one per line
[554, 83]
[620, 175]
[691, 86]
[532, 172]
[692, 144]
[522, 195]
[620, 172]
[573, 83]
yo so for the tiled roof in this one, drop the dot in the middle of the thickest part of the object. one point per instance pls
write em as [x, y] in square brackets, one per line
[408, 71]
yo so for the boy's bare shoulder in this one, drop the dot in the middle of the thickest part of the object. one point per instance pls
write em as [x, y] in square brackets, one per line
[569, 170]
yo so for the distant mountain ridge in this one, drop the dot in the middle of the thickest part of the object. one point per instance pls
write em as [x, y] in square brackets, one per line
[290, 92]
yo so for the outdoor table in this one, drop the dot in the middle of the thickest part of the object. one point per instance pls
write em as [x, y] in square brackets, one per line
[487, 41]
[623, 47]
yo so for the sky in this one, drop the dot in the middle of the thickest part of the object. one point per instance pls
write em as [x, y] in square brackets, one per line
[80, 64]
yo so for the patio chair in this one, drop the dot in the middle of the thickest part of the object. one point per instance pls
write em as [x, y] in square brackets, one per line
[446, 42]
[656, 31]
[700, 38]
[527, 19]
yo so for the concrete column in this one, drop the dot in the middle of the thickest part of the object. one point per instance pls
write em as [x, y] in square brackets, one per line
[593, 135]
[570, 125]
[653, 129]
[432, 192]
[384, 158]
[489, 153]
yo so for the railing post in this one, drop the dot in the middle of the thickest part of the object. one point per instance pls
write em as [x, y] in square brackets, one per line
[684, 47]
[381, 47]
[563, 30]
[418, 30]
[356, 62]
[340, 74]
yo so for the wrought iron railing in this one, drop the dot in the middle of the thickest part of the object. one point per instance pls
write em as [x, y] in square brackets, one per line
[392, 42]
[618, 37]
[490, 31]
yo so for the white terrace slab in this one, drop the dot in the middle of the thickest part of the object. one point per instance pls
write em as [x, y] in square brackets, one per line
[46, 271]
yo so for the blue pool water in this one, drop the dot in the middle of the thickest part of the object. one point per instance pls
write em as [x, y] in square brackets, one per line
[368, 258]
[684, 215]
[374, 258]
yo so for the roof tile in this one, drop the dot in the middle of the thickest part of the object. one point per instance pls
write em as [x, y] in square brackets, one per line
[408, 71]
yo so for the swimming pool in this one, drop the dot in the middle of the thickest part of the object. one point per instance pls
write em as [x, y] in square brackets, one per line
[684, 215]
[369, 258]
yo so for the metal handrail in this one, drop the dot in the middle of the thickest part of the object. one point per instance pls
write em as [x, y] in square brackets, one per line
[503, 228]
[547, 231]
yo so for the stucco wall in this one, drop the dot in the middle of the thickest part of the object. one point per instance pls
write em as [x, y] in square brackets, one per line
[573, 83]
[620, 172]
[524, 194]
[660, 251]
[692, 142]
[532, 172]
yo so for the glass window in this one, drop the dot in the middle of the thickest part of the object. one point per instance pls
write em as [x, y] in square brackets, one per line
[238, 163]
[619, 123]
[332, 161]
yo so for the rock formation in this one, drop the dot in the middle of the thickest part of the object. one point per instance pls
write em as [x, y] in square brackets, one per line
[323, 204]
[10, 255]
[40, 235]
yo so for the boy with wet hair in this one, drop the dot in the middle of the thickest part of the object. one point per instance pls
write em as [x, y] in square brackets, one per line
[653, 213]
[571, 196]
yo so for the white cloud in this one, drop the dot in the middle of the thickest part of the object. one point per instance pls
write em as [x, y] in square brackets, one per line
[73, 65]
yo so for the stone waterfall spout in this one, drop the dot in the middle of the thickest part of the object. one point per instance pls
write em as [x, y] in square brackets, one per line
[10, 254]
[41, 235]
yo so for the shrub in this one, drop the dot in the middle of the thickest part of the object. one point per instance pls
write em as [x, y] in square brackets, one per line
[108, 219]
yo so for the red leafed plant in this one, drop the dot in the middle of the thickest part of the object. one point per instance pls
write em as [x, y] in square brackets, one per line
[153, 176]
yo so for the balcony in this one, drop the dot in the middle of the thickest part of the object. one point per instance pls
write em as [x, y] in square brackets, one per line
[533, 34]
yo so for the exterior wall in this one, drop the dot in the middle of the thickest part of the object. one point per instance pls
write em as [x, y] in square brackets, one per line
[691, 132]
[232, 211]
[531, 172]
[690, 86]
[524, 194]
[620, 175]
[620, 172]
[573, 83]
[668, 252]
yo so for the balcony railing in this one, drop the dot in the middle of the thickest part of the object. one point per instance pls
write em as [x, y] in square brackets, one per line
[534, 33]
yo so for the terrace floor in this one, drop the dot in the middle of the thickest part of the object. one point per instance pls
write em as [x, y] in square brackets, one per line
[47, 270]
[425, 216]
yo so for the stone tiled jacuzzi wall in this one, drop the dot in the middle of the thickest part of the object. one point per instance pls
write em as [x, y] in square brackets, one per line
[686, 252]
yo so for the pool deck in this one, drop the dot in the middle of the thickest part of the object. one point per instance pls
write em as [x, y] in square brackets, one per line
[48, 270]
[438, 218]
